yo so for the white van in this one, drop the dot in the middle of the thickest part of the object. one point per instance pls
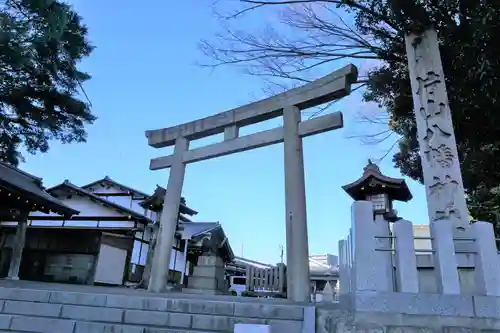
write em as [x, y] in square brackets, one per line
[237, 284]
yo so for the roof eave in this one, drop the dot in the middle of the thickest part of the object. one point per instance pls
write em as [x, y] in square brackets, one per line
[404, 194]
[46, 205]
[24, 173]
[353, 188]
[189, 210]
[226, 245]
[66, 212]
[379, 177]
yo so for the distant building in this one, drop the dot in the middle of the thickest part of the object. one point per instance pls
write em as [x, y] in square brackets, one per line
[324, 269]
[422, 243]
[324, 259]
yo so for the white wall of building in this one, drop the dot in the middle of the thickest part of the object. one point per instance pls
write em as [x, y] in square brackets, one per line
[125, 201]
[110, 265]
[85, 206]
[139, 257]
[139, 253]
[177, 257]
[81, 224]
[148, 234]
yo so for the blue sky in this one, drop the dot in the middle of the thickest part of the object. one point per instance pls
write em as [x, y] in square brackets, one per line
[145, 76]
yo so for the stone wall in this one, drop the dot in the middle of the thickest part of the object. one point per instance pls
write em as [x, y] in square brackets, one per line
[427, 276]
[331, 319]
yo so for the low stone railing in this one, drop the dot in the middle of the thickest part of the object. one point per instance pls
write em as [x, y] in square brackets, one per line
[372, 258]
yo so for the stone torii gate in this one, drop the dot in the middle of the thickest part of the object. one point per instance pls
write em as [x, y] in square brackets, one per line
[288, 104]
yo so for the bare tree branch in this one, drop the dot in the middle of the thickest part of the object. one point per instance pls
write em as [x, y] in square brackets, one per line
[380, 159]
[307, 39]
[351, 3]
[268, 52]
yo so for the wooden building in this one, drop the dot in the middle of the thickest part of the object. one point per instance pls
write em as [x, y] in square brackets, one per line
[21, 194]
[108, 242]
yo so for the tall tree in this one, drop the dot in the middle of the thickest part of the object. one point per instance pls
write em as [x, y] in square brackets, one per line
[312, 33]
[41, 42]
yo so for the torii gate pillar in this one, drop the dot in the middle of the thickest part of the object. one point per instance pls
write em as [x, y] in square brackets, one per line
[297, 245]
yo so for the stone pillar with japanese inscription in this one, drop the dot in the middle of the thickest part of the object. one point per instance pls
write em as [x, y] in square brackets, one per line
[438, 149]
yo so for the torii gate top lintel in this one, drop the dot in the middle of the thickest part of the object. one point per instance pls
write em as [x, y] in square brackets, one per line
[330, 87]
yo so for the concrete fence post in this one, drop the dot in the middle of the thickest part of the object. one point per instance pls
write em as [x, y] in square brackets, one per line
[343, 267]
[276, 278]
[366, 261]
[445, 261]
[384, 250]
[282, 272]
[406, 260]
[259, 281]
[248, 280]
[349, 261]
[487, 266]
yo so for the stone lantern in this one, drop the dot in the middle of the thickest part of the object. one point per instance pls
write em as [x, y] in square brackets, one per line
[379, 189]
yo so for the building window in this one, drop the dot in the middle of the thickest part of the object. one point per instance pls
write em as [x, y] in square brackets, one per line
[240, 280]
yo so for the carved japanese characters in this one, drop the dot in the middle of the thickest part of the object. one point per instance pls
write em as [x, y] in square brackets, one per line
[443, 190]
[441, 168]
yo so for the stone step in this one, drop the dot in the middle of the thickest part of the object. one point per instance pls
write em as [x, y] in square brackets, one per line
[66, 314]
[255, 309]
[106, 313]
[48, 325]
[200, 306]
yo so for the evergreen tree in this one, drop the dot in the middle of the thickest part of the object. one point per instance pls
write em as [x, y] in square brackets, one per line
[41, 42]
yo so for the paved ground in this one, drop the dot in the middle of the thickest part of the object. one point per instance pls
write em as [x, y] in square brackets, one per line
[129, 291]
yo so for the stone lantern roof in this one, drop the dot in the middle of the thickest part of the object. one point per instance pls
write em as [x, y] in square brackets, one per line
[374, 182]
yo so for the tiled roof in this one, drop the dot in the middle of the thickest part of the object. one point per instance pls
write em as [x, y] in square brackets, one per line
[14, 179]
[158, 197]
[195, 230]
[102, 201]
[108, 180]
